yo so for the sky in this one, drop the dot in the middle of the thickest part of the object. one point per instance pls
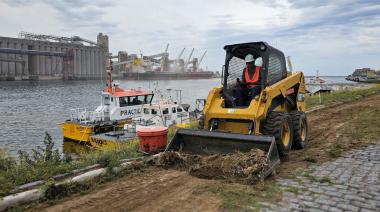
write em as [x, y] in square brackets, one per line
[334, 37]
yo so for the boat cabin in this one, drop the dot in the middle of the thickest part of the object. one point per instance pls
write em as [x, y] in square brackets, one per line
[164, 113]
[119, 104]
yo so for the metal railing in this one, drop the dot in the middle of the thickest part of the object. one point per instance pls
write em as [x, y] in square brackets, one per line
[84, 116]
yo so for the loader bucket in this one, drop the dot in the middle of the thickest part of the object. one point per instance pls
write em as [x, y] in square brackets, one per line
[204, 142]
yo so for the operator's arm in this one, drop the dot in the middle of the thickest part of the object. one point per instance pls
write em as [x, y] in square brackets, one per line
[243, 76]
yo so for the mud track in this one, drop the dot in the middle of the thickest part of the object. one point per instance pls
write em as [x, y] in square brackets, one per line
[169, 190]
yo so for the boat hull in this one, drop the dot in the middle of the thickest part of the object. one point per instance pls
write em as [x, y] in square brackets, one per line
[82, 133]
[105, 141]
[77, 132]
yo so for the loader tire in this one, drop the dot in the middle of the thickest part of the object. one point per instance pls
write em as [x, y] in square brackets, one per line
[279, 125]
[300, 129]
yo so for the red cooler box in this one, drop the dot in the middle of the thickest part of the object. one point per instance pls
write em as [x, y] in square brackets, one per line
[153, 139]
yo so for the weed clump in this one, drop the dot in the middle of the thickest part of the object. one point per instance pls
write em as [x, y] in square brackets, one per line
[45, 162]
[6, 161]
[310, 159]
[336, 150]
[46, 154]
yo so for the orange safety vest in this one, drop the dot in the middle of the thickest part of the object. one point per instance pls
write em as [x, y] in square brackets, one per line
[251, 82]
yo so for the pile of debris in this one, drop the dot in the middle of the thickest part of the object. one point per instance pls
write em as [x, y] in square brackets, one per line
[240, 167]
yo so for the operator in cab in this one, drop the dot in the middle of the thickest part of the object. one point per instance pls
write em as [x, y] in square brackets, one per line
[251, 77]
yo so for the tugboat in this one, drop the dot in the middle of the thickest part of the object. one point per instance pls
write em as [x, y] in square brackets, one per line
[103, 126]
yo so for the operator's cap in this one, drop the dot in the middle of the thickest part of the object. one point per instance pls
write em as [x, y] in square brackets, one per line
[249, 58]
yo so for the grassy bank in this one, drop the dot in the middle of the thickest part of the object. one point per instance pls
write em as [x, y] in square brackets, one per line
[341, 96]
[45, 162]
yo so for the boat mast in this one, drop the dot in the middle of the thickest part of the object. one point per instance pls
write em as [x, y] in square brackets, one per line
[110, 69]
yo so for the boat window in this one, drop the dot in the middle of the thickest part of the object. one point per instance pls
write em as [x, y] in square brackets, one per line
[123, 101]
[111, 99]
[106, 100]
[179, 109]
[165, 111]
[137, 100]
[154, 111]
[174, 110]
[148, 99]
[146, 110]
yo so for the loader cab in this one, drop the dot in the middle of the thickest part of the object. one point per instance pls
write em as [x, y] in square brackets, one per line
[273, 68]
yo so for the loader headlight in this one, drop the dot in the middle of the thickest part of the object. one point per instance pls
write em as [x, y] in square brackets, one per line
[300, 97]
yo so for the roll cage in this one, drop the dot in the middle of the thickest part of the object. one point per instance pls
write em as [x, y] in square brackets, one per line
[237, 52]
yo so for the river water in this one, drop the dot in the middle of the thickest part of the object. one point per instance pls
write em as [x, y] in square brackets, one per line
[28, 109]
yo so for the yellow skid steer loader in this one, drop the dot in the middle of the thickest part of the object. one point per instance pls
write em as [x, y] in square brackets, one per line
[273, 121]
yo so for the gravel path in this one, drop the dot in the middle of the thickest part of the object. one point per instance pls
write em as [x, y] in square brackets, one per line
[350, 183]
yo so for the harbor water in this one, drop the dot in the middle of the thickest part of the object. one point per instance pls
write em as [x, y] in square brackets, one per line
[28, 109]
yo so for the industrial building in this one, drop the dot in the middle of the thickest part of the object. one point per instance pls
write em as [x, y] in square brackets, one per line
[39, 57]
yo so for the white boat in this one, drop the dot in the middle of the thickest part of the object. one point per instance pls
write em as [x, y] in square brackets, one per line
[163, 112]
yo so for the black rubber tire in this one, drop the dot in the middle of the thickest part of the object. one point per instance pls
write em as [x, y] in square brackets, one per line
[273, 126]
[298, 118]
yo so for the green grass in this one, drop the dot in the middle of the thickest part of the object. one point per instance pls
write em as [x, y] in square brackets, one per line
[335, 151]
[366, 125]
[241, 198]
[360, 130]
[111, 157]
[43, 163]
[341, 96]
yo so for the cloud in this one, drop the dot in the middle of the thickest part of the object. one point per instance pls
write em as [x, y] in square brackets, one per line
[332, 36]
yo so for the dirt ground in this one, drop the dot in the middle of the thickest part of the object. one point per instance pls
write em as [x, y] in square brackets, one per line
[154, 190]
[332, 132]
[335, 130]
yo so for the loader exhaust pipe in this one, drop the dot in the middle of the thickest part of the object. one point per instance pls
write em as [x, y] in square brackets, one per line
[204, 142]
